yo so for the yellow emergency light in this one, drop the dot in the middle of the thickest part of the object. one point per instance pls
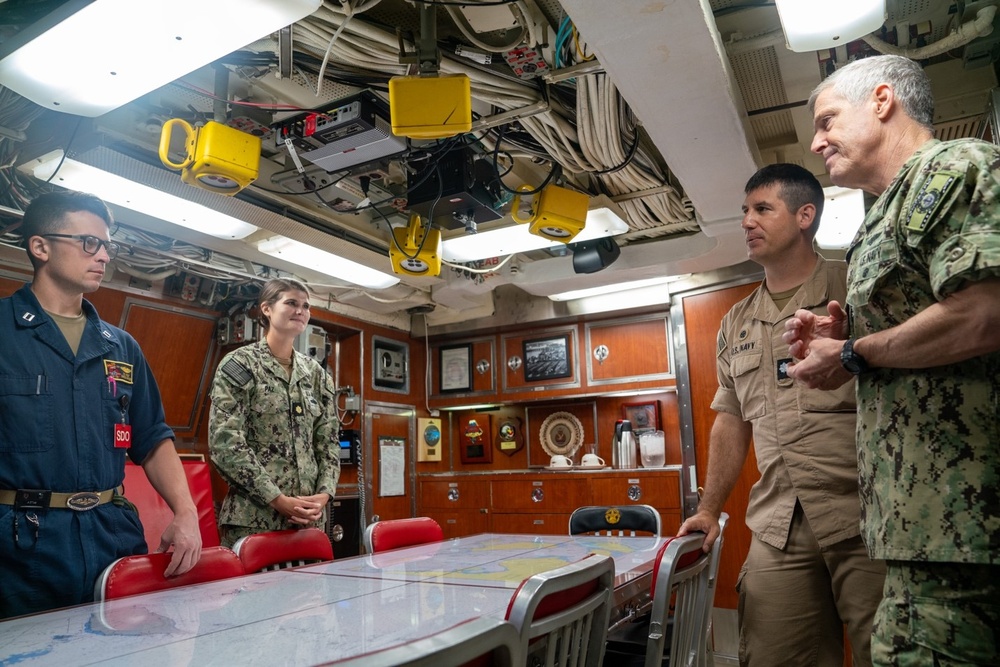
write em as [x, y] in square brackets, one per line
[430, 107]
[218, 157]
[411, 254]
[557, 214]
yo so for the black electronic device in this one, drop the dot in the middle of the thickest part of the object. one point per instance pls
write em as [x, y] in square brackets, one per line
[594, 255]
[351, 131]
[350, 444]
[455, 188]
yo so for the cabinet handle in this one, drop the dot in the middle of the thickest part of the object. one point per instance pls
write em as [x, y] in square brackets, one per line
[453, 494]
[634, 493]
[537, 494]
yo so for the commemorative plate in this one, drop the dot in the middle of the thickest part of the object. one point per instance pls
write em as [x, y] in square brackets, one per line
[561, 433]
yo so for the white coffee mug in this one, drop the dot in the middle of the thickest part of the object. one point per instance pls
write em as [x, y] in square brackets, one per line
[560, 461]
[591, 460]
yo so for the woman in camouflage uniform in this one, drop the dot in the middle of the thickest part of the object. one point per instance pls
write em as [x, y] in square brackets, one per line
[273, 430]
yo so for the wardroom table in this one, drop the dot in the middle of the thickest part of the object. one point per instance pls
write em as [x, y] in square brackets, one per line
[318, 613]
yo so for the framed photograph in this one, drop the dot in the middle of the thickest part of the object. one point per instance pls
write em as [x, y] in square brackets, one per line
[643, 416]
[456, 368]
[547, 358]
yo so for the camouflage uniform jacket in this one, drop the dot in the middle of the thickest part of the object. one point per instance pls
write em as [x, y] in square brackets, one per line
[269, 434]
[929, 439]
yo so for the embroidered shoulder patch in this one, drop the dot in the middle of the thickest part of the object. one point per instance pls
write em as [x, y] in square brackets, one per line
[929, 200]
[236, 372]
[118, 371]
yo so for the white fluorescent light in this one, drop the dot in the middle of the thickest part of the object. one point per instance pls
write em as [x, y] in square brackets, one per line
[811, 25]
[516, 238]
[96, 55]
[611, 289]
[843, 213]
[144, 199]
[325, 262]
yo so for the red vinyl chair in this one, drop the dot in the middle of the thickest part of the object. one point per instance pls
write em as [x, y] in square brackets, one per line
[278, 549]
[133, 575]
[563, 614]
[399, 533]
[154, 513]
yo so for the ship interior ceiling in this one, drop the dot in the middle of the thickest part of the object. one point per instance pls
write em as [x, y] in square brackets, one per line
[658, 110]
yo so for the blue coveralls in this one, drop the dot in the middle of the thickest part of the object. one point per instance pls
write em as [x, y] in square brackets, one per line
[57, 417]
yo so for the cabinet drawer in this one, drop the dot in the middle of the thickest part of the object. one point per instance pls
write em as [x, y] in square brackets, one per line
[541, 524]
[461, 523]
[455, 494]
[540, 495]
[661, 490]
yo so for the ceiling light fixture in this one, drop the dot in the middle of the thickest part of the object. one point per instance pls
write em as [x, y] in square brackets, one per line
[603, 219]
[88, 57]
[118, 190]
[610, 289]
[843, 213]
[812, 25]
[326, 263]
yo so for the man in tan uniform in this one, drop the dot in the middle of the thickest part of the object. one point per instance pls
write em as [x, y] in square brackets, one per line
[807, 573]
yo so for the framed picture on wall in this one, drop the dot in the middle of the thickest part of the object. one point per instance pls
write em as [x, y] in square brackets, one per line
[643, 416]
[455, 368]
[547, 358]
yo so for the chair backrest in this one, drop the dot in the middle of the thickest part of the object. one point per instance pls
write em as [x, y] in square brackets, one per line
[278, 549]
[398, 533]
[133, 575]
[615, 520]
[480, 641]
[681, 576]
[565, 613]
[154, 513]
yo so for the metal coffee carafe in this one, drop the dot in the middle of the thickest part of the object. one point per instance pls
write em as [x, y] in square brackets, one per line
[623, 450]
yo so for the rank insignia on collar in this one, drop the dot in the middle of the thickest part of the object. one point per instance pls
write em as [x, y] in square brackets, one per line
[297, 409]
[118, 371]
[28, 317]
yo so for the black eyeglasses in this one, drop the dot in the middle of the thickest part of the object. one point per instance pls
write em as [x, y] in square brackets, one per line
[91, 244]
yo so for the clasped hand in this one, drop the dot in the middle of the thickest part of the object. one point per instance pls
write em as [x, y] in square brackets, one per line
[815, 341]
[301, 510]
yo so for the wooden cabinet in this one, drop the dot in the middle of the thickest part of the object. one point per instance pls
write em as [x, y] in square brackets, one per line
[541, 503]
[461, 506]
[464, 371]
[634, 351]
[541, 364]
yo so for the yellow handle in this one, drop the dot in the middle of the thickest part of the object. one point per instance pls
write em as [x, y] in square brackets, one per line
[411, 230]
[165, 135]
[516, 206]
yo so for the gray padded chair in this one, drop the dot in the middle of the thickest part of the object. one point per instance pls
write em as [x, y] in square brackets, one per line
[487, 641]
[563, 614]
[623, 520]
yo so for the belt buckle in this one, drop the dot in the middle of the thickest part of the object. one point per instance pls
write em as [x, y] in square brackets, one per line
[83, 501]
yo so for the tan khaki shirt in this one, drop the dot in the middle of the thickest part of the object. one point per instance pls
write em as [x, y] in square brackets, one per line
[804, 438]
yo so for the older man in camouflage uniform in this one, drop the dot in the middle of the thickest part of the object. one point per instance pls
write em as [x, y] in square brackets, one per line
[923, 308]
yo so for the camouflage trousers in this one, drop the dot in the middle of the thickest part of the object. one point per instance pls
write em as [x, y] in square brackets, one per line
[940, 614]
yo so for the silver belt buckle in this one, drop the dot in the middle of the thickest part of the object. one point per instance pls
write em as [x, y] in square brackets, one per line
[83, 501]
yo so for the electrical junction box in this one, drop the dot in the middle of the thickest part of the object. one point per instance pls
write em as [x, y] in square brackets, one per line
[460, 185]
[312, 342]
[559, 213]
[430, 107]
[416, 249]
[389, 365]
[351, 131]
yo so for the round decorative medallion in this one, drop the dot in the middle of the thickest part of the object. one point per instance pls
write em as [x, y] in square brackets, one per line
[561, 433]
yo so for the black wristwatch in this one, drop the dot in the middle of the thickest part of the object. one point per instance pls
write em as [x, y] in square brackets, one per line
[851, 360]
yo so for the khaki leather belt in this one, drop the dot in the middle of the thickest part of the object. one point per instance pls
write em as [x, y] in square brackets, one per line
[81, 501]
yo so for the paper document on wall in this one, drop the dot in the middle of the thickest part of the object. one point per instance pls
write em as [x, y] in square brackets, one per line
[392, 466]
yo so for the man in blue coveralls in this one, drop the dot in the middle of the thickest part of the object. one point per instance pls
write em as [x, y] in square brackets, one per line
[76, 396]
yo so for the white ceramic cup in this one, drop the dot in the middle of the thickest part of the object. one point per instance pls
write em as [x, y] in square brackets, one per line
[560, 461]
[591, 460]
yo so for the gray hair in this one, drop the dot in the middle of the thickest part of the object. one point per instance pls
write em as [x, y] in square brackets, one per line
[856, 82]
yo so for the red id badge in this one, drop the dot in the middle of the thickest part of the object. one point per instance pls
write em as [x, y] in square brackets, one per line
[123, 436]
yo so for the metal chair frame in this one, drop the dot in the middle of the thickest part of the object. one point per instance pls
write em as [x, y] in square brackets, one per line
[623, 520]
[567, 610]
[465, 643]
